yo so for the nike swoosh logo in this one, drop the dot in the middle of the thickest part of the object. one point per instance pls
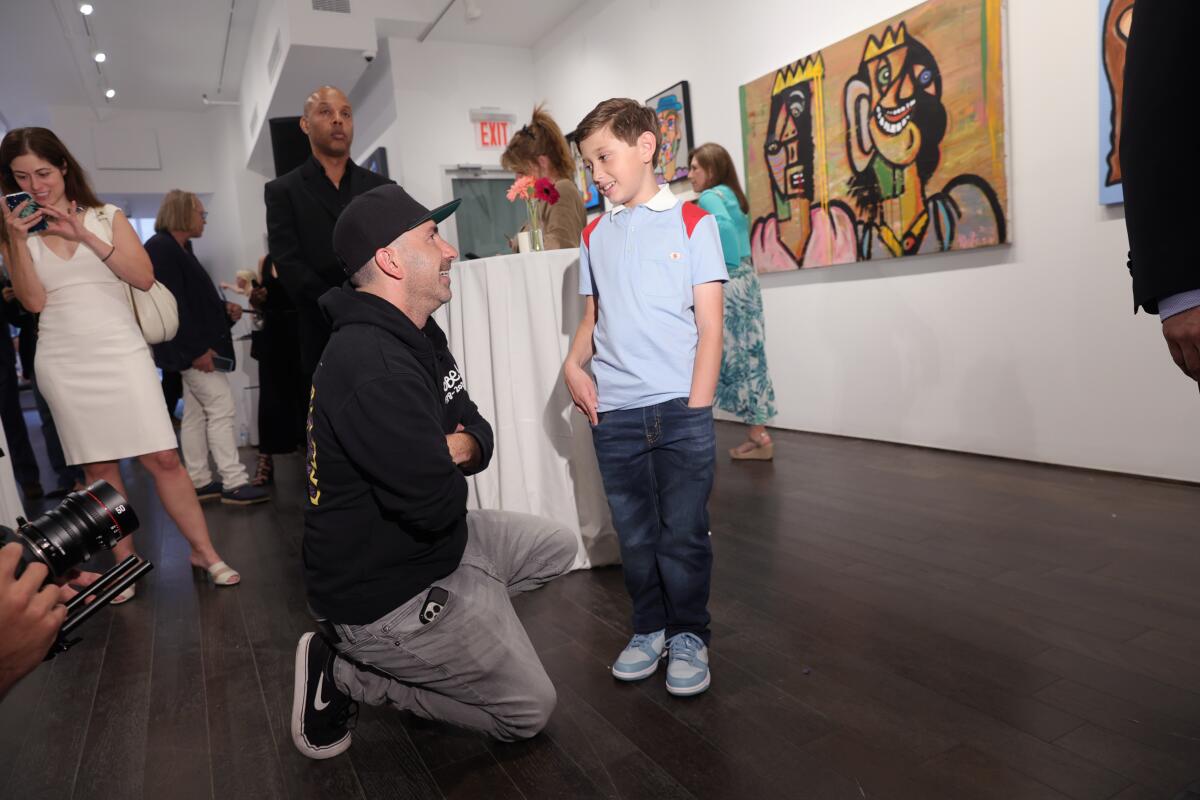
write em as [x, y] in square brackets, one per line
[318, 703]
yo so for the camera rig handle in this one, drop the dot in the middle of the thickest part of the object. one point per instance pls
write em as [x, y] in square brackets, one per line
[106, 587]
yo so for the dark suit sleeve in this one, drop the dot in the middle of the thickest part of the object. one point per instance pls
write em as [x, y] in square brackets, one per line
[14, 313]
[1154, 168]
[474, 424]
[303, 284]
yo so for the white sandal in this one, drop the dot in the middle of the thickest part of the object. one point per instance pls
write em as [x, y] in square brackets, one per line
[123, 597]
[219, 574]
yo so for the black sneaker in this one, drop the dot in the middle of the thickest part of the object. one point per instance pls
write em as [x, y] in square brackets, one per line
[321, 714]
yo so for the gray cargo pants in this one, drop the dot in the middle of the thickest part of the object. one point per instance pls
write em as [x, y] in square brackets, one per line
[474, 665]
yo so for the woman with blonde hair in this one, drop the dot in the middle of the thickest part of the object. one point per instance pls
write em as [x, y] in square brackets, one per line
[744, 387]
[539, 150]
[93, 365]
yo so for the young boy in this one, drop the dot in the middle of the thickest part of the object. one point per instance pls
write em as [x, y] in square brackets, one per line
[652, 271]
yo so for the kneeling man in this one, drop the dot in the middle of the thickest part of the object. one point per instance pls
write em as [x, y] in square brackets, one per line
[411, 590]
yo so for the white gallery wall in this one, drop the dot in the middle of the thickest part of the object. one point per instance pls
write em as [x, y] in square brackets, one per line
[1028, 351]
[434, 86]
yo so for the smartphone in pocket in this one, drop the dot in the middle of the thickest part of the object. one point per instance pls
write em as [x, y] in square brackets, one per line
[222, 364]
[16, 198]
[434, 603]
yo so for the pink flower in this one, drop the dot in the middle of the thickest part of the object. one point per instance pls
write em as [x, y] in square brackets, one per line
[520, 189]
[544, 190]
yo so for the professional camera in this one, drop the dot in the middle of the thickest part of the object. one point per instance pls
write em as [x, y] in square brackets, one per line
[86, 522]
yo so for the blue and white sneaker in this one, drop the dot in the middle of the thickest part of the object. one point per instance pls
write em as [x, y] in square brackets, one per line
[640, 657]
[687, 667]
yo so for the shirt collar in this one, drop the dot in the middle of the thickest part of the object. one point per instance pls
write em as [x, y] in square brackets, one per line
[665, 200]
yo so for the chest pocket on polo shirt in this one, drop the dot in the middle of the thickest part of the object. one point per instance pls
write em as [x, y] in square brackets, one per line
[665, 277]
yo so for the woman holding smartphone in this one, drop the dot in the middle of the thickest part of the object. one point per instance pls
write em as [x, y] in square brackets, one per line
[94, 368]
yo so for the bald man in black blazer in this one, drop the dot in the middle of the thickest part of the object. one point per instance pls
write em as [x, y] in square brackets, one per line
[302, 207]
[1156, 173]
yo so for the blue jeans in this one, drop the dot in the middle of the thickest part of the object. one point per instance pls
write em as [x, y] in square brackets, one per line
[657, 466]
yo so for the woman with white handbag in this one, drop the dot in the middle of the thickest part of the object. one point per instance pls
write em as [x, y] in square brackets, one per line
[74, 261]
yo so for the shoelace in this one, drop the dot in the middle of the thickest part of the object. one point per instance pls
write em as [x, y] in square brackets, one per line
[686, 646]
[642, 641]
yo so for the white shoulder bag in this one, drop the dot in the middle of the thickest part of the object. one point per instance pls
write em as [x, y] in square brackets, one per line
[156, 311]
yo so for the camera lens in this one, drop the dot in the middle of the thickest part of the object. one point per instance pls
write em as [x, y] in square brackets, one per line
[86, 522]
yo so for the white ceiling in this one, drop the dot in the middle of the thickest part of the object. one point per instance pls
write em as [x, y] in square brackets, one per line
[514, 23]
[164, 54]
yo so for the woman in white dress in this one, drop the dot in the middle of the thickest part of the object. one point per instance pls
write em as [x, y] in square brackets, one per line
[93, 365]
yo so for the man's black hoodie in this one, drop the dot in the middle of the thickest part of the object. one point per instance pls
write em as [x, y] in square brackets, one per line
[387, 506]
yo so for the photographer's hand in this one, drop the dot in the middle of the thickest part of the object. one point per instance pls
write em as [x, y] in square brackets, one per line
[30, 616]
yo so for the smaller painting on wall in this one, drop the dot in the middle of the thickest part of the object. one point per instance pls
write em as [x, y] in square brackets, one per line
[377, 162]
[592, 201]
[1115, 18]
[673, 108]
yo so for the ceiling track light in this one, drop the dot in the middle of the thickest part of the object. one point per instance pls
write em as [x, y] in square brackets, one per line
[86, 9]
[109, 94]
[99, 57]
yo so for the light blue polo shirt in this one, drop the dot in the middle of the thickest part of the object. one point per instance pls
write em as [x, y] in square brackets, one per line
[641, 265]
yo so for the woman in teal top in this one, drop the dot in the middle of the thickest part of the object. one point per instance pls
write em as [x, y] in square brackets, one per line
[744, 387]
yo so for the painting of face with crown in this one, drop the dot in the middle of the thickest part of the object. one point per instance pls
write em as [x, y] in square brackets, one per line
[1116, 18]
[673, 108]
[887, 144]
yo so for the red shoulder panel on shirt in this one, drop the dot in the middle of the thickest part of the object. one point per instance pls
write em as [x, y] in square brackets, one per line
[692, 214]
[587, 232]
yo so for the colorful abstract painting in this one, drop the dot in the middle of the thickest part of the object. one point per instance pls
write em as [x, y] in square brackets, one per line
[592, 199]
[889, 143]
[1115, 18]
[673, 108]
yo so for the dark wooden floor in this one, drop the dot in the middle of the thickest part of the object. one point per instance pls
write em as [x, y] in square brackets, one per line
[888, 623]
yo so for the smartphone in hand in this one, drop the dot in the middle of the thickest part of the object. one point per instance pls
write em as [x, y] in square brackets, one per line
[222, 364]
[15, 199]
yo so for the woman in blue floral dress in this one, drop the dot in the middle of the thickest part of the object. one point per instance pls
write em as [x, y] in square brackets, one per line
[744, 387]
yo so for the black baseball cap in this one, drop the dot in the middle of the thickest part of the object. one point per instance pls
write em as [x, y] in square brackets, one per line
[377, 218]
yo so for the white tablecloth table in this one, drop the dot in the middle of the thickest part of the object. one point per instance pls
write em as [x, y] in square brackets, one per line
[510, 325]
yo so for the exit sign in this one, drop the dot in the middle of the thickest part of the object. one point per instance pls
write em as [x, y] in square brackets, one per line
[491, 134]
[491, 127]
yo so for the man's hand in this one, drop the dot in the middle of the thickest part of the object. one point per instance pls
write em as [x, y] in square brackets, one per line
[205, 362]
[464, 449]
[234, 311]
[258, 297]
[583, 392]
[30, 616]
[1182, 332]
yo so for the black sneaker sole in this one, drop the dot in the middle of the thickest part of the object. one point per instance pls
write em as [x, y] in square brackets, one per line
[228, 502]
[299, 697]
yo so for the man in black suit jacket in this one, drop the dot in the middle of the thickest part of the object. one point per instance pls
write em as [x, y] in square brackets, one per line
[302, 207]
[1154, 168]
